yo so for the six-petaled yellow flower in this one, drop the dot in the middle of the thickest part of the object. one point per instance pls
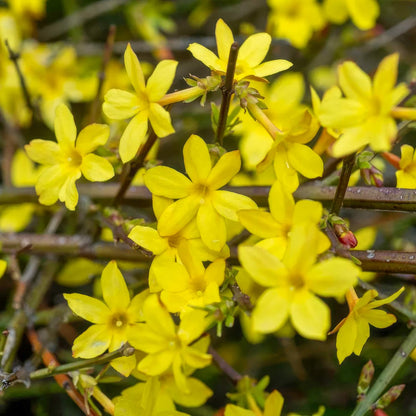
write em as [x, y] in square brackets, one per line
[142, 105]
[250, 55]
[199, 196]
[68, 159]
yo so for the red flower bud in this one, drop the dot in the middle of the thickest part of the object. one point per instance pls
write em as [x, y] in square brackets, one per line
[345, 236]
[379, 412]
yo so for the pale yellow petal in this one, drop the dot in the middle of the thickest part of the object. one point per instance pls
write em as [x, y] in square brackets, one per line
[254, 49]
[161, 79]
[68, 192]
[133, 69]
[160, 120]
[167, 182]
[88, 308]
[92, 342]
[211, 226]
[206, 56]
[281, 204]
[224, 37]
[228, 204]
[44, 152]
[197, 159]
[120, 104]
[346, 337]
[386, 75]
[91, 137]
[364, 13]
[115, 292]
[354, 82]
[259, 223]
[65, 129]
[224, 170]
[271, 67]
[133, 136]
[96, 169]
[149, 239]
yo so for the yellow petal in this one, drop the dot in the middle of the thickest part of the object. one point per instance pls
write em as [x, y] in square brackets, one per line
[158, 318]
[309, 315]
[120, 104]
[160, 120]
[92, 342]
[254, 49]
[389, 299]
[177, 215]
[44, 152]
[332, 277]
[161, 79]
[363, 333]
[3, 267]
[307, 211]
[224, 37]
[211, 226]
[206, 56]
[386, 75]
[271, 67]
[167, 182]
[148, 238]
[96, 168]
[265, 269]
[133, 137]
[354, 82]
[124, 365]
[232, 410]
[271, 310]
[157, 363]
[336, 11]
[91, 137]
[115, 292]
[274, 404]
[68, 192]
[285, 173]
[259, 223]
[197, 396]
[65, 129]
[224, 170]
[341, 113]
[405, 180]
[378, 318]
[281, 204]
[197, 159]
[407, 154]
[49, 183]
[305, 160]
[133, 69]
[228, 204]
[171, 276]
[88, 308]
[346, 337]
[215, 272]
[364, 13]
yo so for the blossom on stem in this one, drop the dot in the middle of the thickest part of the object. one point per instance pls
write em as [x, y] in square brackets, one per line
[250, 56]
[68, 159]
[293, 282]
[354, 330]
[199, 196]
[115, 320]
[142, 105]
[365, 115]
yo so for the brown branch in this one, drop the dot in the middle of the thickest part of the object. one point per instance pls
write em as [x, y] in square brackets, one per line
[62, 379]
[229, 371]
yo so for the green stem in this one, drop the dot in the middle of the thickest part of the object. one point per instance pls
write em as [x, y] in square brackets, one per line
[347, 166]
[227, 92]
[387, 375]
[124, 351]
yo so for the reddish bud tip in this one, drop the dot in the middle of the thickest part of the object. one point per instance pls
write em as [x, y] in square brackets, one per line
[379, 412]
[345, 236]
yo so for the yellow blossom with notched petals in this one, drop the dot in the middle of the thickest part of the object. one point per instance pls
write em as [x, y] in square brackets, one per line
[363, 13]
[293, 282]
[115, 320]
[354, 330]
[365, 115]
[169, 347]
[68, 159]
[199, 196]
[142, 105]
[250, 55]
[406, 175]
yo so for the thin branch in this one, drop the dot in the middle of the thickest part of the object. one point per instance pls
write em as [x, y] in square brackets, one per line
[387, 375]
[227, 92]
[347, 166]
[229, 371]
[124, 351]
[62, 379]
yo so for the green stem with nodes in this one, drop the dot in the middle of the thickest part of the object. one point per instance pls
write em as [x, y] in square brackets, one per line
[347, 166]
[124, 351]
[227, 92]
[404, 113]
[262, 118]
[387, 375]
[187, 94]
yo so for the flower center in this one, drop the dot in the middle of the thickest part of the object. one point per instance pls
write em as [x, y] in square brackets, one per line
[118, 320]
[202, 190]
[174, 240]
[296, 280]
[198, 286]
[73, 159]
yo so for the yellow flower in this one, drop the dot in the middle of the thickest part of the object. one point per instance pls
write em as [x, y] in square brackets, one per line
[115, 321]
[274, 227]
[3, 267]
[354, 330]
[199, 196]
[250, 56]
[365, 115]
[406, 176]
[272, 407]
[142, 105]
[68, 159]
[188, 283]
[295, 20]
[168, 347]
[165, 248]
[363, 13]
[293, 282]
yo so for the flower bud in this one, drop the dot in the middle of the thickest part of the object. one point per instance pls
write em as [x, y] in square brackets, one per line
[366, 376]
[345, 236]
[389, 397]
[379, 412]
